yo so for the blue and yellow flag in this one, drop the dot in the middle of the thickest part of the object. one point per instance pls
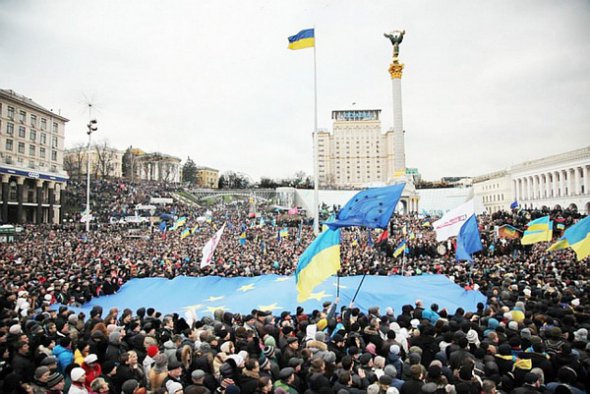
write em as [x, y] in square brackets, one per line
[284, 233]
[303, 39]
[317, 263]
[577, 237]
[401, 248]
[185, 233]
[538, 230]
[243, 239]
[178, 223]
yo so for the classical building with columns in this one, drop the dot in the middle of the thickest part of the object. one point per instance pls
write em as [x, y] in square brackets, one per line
[158, 167]
[31, 161]
[554, 181]
[559, 180]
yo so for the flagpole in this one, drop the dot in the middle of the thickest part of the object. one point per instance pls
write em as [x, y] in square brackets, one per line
[316, 209]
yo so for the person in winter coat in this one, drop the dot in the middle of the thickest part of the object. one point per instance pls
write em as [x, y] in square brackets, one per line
[63, 353]
[92, 368]
[115, 348]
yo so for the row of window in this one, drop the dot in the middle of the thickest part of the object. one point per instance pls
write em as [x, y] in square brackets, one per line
[22, 118]
[493, 198]
[32, 149]
[22, 133]
[31, 164]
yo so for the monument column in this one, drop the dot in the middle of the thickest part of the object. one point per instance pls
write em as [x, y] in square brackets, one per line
[585, 179]
[395, 71]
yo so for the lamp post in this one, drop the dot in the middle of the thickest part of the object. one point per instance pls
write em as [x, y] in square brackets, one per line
[91, 127]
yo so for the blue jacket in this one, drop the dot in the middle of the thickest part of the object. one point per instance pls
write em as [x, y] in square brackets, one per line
[64, 357]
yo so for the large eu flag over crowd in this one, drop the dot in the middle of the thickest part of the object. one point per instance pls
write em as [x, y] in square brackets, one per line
[203, 295]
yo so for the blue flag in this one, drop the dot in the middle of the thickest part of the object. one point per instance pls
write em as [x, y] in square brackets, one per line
[163, 226]
[370, 208]
[514, 205]
[468, 240]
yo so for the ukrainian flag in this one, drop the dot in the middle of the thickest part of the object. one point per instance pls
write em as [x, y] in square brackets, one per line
[401, 248]
[303, 39]
[195, 229]
[284, 233]
[538, 230]
[243, 239]
[179, 222]
[317, 263]
[185, 233]
[577, 237]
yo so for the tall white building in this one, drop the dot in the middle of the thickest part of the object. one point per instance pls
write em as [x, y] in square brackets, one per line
[356, 153]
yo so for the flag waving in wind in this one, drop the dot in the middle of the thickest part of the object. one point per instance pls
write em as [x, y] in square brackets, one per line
[370, 208]
[451, 222]
[210, 246]
[317, 263]
[303, 39]
[468, 240]
[577, 237]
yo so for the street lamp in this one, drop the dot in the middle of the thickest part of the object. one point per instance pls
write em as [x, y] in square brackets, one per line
[91, 128]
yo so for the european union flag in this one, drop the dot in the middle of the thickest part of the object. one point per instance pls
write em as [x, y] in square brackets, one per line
[370, 208]
[514, 205]
[468, 240]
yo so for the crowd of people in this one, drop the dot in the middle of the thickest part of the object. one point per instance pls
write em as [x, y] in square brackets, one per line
[530, 337]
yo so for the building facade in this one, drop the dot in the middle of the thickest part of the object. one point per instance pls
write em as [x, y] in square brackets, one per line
[207, 177]
[356, 153]
[158, 167]
[558, 181]
[494, 190]
[105, 161]
[31, 160]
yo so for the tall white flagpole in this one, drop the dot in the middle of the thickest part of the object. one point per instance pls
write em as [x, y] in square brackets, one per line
[316, 209]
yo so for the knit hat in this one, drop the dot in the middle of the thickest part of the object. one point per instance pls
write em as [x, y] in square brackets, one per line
[365, 358]
[198, 374]
[54, 379]
[268, 351]
[115, 337]
[320, 336]
[385, 380]
[373, 389]
[472, 337]
[91, 358]
[129, 386]
[15, 329]
[232, 389]
[173, 364]
[152, 350]
[581, 335]
[49, 360]
[513, 325]
[286, 372]
[395, 349]
[40, 371]
[77, 373]
[173, 386]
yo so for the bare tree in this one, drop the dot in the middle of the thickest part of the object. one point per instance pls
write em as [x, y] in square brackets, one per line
[75, 161]
[105, 159]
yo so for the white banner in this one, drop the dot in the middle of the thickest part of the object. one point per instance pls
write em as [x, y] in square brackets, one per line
[450, 224]
[210, 246]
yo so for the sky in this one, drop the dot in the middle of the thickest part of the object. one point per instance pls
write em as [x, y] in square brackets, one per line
[486, 84]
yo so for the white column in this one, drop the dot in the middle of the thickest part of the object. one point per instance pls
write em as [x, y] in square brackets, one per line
[399, 154]
[548, 185]
[585, 180]
[561, 183]
[577, 182]
[554, 183]
[528, 188]
[570, 182]
[515, 186]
